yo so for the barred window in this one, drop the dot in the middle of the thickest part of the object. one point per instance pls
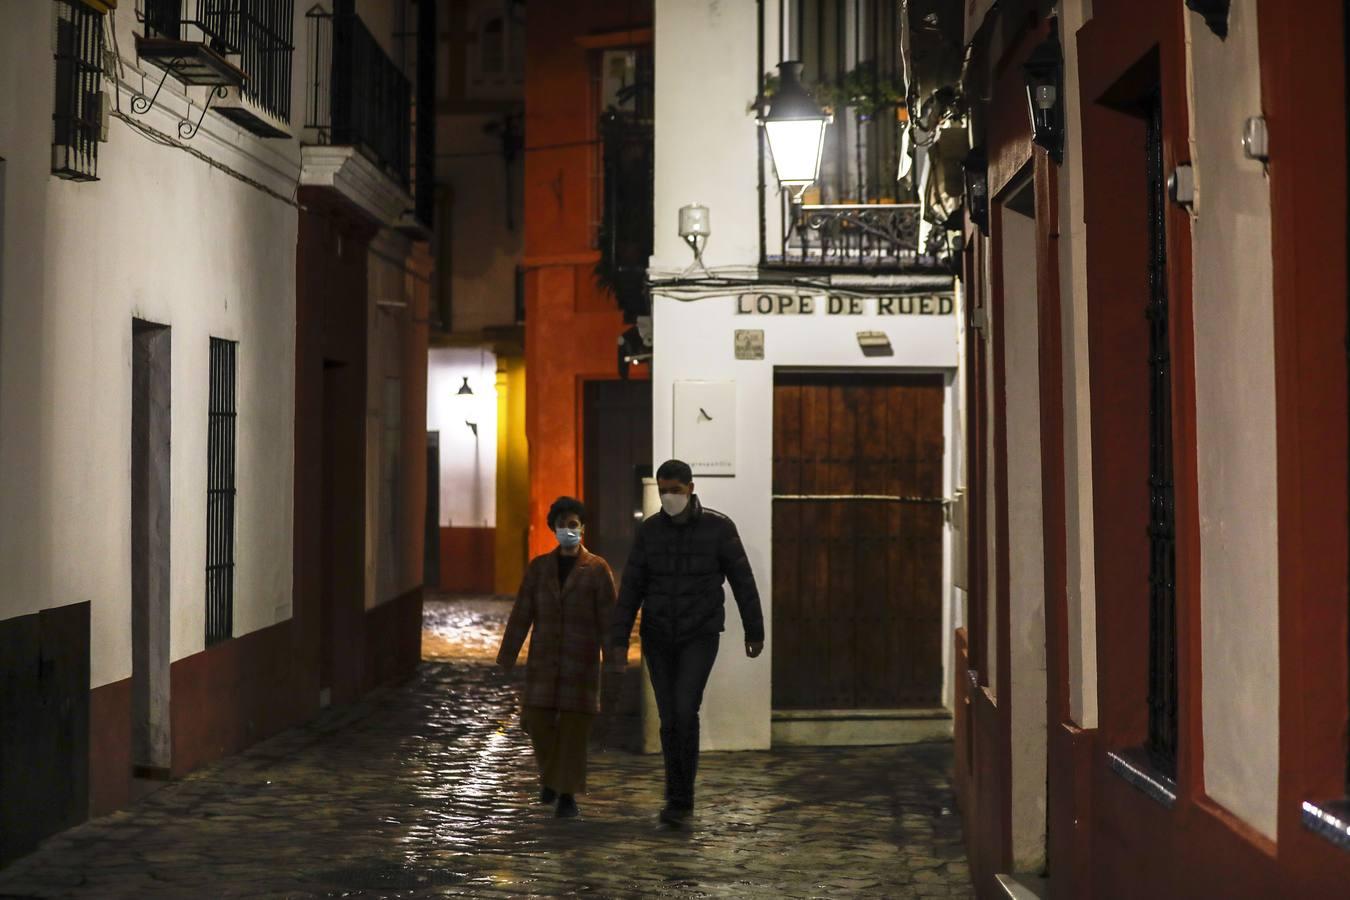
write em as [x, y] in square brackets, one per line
[220, 492]
[78, 51]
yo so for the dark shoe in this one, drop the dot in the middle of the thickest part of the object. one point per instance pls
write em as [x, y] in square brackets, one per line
[567, 807]
[675, 815]
[548, 795]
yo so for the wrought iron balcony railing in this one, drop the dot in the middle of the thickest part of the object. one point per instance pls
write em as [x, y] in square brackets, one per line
[356, 95]
[626, 216]
[254, 34]
[872, 235]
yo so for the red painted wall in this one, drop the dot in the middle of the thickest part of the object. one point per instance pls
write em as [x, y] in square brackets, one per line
[571, 325]
[468, 560]
[1107, 839]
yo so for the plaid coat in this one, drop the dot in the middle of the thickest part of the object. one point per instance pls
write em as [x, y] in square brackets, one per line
[563, 669]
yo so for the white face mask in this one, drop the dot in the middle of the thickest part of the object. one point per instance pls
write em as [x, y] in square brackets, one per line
[674, 504]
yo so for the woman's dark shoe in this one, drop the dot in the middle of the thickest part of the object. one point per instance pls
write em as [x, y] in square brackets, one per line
[567, 807]
[675, 815]
[548, 795]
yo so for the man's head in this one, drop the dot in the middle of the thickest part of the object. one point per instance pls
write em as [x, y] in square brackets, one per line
[675, 481]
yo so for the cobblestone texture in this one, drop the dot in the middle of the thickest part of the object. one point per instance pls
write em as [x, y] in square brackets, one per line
[426, 790]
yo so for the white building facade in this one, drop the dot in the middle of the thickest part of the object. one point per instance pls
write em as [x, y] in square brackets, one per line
[811, 384]
[151, 155]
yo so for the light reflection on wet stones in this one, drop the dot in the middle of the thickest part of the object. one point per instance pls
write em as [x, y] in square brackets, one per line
[427, 791]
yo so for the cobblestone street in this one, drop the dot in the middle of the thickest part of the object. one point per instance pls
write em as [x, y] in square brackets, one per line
[425, 790]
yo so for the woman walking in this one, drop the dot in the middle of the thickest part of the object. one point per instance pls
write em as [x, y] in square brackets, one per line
[566, 597]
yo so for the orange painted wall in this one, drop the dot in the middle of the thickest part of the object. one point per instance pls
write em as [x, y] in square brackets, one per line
[571, 325]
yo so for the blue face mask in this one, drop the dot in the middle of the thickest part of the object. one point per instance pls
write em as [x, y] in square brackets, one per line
[568, 537]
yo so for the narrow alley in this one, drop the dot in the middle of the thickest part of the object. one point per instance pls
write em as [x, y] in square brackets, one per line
[424, 790]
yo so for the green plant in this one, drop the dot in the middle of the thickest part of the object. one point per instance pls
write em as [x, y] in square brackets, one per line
[862, 89]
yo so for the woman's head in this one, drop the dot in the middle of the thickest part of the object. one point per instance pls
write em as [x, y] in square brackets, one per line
[566, 512]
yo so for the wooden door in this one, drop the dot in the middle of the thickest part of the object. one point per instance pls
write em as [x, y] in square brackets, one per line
[857, 541]
[618, 428]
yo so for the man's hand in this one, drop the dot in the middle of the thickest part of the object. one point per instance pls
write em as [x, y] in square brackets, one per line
[754, 648]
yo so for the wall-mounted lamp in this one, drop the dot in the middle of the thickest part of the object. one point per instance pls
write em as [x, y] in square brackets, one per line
[795, 127]
[464, 389]
[976, 169]
[695, 229]
[635, 345]
[875, 343]
[1215, 13]
[1044, 72]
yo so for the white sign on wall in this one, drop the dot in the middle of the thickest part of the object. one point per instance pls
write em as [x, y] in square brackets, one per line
[705, 426]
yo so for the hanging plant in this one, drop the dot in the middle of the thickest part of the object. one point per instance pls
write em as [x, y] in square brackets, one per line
[861, 89]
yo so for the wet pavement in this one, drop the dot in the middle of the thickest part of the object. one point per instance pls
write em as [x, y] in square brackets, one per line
[425, 791]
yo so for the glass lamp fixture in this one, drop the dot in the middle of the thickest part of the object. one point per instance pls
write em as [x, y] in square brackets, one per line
[976, 169]
[1044, 72]
[795, 127]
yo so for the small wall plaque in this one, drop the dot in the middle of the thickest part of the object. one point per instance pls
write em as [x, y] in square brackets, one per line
[749, 343]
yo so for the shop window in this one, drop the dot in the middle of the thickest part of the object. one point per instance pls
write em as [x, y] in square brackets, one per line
[220, 491]
[77, 115]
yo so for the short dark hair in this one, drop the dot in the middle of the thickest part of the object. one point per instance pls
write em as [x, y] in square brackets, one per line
[564, 507]
[675, 470]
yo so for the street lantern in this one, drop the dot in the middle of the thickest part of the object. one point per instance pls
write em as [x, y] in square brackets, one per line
[795, 127]
[976, 168]
[1044, 71]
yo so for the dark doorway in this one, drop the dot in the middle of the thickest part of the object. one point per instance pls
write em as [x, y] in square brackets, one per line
[150, 487]
[618, 420]
[857, 541]
[431, 553]
[342, 552]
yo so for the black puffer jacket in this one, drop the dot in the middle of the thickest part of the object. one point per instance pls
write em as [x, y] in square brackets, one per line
[675, 575]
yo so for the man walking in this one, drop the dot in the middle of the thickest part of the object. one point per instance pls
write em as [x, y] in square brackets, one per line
[679, 561]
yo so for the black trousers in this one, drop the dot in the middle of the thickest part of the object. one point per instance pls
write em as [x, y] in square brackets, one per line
[679, 672]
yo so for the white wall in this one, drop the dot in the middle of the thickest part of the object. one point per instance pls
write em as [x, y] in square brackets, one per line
[468, 464]
[1235, 428]
[1080, 554]
[1026, 542]
[167, 238]
[694, 341]
[705, 76]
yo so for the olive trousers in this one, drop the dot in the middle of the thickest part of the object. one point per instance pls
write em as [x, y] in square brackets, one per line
[559, 738]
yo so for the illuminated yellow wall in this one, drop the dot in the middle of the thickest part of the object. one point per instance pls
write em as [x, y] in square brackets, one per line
[513, 475]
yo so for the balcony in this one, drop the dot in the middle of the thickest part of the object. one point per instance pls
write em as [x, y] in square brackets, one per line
[356, 96]
[626, 222]
[863, 214]
[851, 235]
[240, 48]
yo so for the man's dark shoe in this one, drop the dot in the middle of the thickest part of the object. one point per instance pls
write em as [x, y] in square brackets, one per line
[675, 814]
[567, 807]
[548, 795]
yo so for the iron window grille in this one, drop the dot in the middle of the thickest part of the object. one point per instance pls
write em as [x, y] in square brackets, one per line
[356, 96]
[220, 491]
[78, 111]
[1162, 639]
[857, 214]
[257, 33]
